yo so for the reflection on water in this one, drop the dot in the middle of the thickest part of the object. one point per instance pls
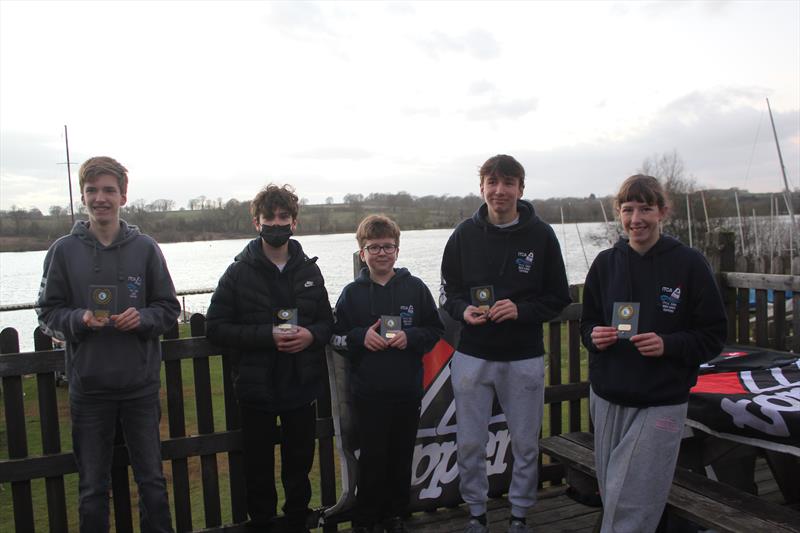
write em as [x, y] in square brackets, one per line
[197, 265]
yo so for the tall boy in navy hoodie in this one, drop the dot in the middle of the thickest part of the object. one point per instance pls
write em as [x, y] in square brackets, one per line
[387, 370]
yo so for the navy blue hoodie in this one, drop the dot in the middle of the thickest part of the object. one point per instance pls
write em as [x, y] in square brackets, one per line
[678, 299]
[523, 263]
[390, 375]
[107, 362]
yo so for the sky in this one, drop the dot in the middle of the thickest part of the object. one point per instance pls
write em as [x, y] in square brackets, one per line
[219, 99]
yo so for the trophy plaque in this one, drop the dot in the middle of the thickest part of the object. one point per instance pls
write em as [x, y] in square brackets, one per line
[103, 300]
[286, 320]
[626, 319]
[390, 326]
[482, 297]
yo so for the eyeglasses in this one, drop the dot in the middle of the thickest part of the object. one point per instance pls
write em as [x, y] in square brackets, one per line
[375, 249]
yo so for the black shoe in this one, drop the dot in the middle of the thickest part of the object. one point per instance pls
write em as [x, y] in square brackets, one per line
[395, 525]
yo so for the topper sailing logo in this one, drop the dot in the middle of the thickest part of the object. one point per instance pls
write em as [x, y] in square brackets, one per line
[524, 262]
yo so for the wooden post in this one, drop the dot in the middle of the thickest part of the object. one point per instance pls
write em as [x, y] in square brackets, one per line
[726, 248]
[14, 404]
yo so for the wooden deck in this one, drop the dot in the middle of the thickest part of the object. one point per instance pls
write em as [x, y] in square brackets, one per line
[555, 512]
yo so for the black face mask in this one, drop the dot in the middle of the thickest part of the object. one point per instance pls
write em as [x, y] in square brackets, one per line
[276, 236]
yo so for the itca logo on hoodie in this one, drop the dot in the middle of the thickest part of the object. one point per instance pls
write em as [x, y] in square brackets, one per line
[670, 298]
[524, 262]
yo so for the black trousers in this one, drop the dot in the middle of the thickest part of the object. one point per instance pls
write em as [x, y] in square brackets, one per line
[260, 431]
[387, 432]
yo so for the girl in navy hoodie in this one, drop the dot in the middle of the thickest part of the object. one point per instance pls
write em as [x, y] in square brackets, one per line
[640, 385]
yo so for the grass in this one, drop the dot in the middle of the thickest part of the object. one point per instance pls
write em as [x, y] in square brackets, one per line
[190, 413]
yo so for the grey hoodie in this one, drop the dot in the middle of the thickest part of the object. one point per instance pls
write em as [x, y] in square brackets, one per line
[107, 362]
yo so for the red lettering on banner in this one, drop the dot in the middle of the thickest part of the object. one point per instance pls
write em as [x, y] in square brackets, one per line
[723, 383]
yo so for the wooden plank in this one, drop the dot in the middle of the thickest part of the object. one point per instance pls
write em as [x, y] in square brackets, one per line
[704, 501]
[779, 320]
[177, 429]
[325, 451]
[554, 355]
[796, 322]
[729, 295]
[205, 425]
[60, 464]
[778, 282]
[566, 392]
[51, 443]
[743, 316]
[16, 434]
[21, 364]
[743, 512]
[188, 348]
[762, 339]
[574, 332]
[236, 471]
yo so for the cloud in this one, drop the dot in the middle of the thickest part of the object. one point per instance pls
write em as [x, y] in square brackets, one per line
[299, 18]
[332, 152]
[481, 87]
[717, 144]
[477, 43]
[503, 110]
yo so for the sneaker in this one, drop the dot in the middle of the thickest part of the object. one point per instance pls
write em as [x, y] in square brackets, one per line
[474, 526]
[515, 526]
[394, 525]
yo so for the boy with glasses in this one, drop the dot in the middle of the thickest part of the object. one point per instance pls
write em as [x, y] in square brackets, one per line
[386, 320]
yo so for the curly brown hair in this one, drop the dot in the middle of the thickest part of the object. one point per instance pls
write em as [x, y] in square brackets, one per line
[271, 198]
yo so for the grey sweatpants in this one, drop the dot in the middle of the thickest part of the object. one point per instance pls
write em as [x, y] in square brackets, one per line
[635, 454]
[519, 386]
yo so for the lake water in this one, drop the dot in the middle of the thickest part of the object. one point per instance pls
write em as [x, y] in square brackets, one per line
[197, 265]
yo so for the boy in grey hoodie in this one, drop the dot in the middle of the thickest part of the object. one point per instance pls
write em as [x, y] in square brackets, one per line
[107, 293]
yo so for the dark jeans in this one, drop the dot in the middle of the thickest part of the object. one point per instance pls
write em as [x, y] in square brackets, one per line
[387, 433]
[259, 432]
[93, 426]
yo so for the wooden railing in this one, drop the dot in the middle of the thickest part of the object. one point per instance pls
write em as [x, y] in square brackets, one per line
[765, 325]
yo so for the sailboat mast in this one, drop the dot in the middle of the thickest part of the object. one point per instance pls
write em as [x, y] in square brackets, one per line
[787, 193]
[69, 178]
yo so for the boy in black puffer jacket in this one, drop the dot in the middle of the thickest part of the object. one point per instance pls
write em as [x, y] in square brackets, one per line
[387, 370]
[272, 307]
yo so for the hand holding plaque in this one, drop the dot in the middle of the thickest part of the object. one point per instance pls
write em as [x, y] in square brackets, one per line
[626, 319]
[390, 326]
[103, 301]
[482, 297]
[286, 320]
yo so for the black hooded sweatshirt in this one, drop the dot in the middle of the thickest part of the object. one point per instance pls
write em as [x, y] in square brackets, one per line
[390, 375]
[523, 263]
[241, 316]
[679, 300]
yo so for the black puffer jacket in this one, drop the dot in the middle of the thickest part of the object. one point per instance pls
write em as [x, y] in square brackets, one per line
[241, 316]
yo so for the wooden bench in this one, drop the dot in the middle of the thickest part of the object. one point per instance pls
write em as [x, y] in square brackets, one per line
[706, 502]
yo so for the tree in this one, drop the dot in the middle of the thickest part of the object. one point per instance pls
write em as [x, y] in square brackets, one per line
[329, 200]
[55, 211]
[353, 198]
